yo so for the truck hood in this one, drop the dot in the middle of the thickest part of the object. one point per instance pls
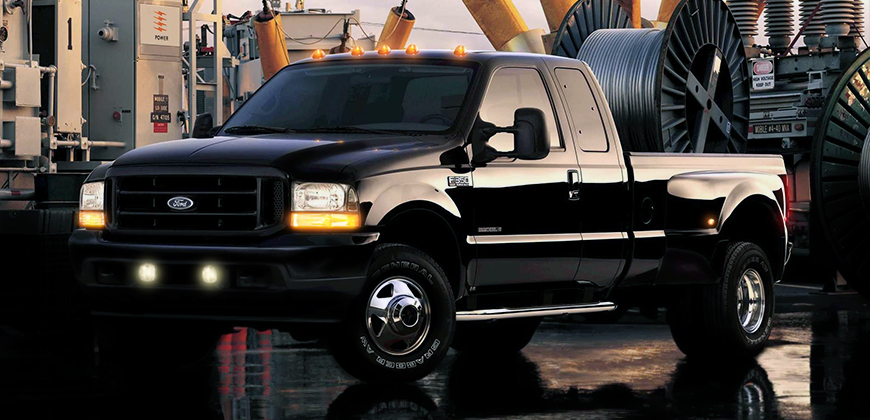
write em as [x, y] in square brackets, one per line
[312, 156]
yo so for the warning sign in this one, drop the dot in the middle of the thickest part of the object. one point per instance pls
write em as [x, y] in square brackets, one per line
[160, 113]
[763, 76]
[160, 25]
[161, 127]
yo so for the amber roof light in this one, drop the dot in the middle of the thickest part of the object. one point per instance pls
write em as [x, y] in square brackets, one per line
[384, 49]
[460, 51]
[318, 54]
[412, 49]
[357, 51]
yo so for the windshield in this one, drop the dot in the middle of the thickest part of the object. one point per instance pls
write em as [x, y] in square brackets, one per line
[392, 97]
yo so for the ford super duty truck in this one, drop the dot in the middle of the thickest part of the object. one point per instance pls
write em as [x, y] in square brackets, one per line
[401, 204]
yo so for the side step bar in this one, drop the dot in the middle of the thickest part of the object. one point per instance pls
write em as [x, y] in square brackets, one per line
[506, 313]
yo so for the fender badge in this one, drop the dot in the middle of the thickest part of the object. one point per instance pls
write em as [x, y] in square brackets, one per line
[458, 181]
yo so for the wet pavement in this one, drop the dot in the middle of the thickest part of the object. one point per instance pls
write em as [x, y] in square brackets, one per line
[816, 367]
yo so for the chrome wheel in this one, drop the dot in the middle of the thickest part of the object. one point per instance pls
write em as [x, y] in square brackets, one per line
[398, 316]
[750, 301]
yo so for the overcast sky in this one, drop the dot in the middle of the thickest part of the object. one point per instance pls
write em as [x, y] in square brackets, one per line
[440, 14]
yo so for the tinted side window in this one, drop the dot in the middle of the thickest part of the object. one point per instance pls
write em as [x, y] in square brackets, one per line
[589, 128]
[509, 90]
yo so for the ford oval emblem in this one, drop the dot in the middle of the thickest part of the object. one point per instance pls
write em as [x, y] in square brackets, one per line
[180, 203]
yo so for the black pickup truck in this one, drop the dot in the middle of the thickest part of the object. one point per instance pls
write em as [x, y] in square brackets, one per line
[402, 204]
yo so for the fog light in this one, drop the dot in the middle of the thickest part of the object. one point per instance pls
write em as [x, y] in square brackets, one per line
[209, 275]
[711, 222]
[147, 273]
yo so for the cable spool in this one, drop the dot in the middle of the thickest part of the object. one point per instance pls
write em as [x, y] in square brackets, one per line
[840, 173]
[778, 25]
[585, 17]
[838, 16]
[746, 13]
[663, 86]
[816, 28]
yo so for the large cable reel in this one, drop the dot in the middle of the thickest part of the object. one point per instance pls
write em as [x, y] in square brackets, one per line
[840, 173]
[680, 89]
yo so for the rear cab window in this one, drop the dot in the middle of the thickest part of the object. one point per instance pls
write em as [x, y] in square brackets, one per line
[588, 126]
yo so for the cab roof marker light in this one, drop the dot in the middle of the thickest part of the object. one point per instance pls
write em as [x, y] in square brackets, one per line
[318, 54]
[384, 50]
[412, 49]
[460, 51]
[357, 51]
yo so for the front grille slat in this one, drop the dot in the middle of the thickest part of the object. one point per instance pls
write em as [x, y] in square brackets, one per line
[219, 203]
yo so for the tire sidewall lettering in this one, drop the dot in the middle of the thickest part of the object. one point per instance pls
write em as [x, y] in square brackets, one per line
[390, 364]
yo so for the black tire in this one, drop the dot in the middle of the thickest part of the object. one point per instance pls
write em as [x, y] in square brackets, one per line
[398, 402]
[358, 351]
[705, 323]
[144, 348]
[502, 336]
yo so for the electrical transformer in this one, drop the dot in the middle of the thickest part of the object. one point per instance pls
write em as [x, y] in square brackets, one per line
[133, 95]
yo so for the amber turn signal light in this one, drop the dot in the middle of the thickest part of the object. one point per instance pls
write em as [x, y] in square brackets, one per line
[92, 219]
[384, 50]
[314, 221]
[357, 51]
[412, 49]
[460, 51]
[318, 54]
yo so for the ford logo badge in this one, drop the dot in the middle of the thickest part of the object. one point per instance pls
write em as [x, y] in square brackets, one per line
[180, 203]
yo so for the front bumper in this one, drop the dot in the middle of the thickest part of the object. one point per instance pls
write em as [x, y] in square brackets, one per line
[289, 278]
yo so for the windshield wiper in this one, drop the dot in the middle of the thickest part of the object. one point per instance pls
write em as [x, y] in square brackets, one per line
[254, 129]
[344, 129]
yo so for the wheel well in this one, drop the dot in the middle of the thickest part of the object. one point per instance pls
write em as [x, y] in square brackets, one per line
[758, 221]
[429, 232]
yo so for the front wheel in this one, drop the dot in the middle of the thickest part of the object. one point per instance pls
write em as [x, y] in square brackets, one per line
[732, 318]
[402, 324]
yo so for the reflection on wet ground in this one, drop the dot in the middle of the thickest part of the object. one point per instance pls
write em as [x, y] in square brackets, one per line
[817, 367]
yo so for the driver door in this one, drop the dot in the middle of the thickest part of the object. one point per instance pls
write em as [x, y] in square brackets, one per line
[526, 227]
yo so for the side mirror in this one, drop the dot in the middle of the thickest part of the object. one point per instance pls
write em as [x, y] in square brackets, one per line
[203, 126]
[531, 141]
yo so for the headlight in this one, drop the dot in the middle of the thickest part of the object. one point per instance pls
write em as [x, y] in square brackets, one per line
[319, 205]
[91, 214]
[91, 197]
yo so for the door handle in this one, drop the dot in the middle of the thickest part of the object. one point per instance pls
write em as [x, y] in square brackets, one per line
[573, 185]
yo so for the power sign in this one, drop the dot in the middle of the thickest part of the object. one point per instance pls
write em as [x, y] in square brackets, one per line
[763, 76]
[159, 25]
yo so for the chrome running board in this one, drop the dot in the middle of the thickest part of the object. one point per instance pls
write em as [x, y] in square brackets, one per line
[505, 313]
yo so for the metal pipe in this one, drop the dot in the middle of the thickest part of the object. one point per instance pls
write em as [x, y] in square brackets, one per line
[5, 84]
[51, 101]
[68, 143]
[555, 11]
[43, 70]
[17, 195]
[106, 144]
[666, 9]
[498, 19]
[5, 143]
